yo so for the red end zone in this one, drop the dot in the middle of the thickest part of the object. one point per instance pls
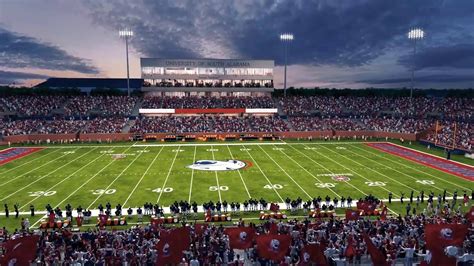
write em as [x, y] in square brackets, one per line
[10, 154]
[450, 167]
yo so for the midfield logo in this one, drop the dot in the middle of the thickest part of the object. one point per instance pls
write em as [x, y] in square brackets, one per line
[212, 165]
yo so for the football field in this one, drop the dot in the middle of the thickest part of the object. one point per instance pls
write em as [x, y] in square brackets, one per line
[134, 173]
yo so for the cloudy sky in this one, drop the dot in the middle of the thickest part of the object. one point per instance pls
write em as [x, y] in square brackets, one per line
[338, 43]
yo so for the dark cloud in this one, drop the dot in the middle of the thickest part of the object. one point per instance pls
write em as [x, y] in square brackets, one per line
[454, 56]
[422, 79]
[342, 33]
[20, 51]
[9, 77]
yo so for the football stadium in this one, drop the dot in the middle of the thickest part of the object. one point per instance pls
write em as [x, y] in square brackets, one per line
[209, 161]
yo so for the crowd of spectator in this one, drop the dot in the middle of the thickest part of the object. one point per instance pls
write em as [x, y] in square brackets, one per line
[36, 106]
[418, 107]
[209, 124]
[208, 102]
[63, 126]
[31, 105]
[462, 133]
[399, 239]
[53, 114]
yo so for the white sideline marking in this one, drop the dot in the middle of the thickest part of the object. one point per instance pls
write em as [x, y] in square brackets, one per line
[317, 179]
[427, 153]
[42, 177]
[113, 181]
[64, 179]
[29, 161]
[240, 174]
[391, 167]
[166, 209]
[217, 178]
[261, 171]
[367, 168]
[192, 176]
[296, 183]
[210, 144]
[139, 181]
[167, 176]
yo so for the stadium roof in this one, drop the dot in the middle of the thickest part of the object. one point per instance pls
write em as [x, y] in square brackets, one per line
[112, 83]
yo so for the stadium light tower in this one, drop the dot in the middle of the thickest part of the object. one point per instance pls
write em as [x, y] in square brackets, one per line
[126, 34]
[286, 38]
[414, 34]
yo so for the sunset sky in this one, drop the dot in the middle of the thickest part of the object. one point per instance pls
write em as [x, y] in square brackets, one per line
[338, 43]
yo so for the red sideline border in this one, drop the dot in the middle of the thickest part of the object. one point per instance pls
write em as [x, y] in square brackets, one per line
[32, 150]
[374, 146]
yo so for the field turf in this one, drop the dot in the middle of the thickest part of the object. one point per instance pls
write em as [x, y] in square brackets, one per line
[87, 175]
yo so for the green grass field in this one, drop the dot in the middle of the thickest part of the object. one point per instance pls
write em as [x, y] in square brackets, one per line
[87, 175]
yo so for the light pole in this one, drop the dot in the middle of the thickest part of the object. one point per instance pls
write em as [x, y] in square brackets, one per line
[126, 33]
[414, 34]
[286, 38]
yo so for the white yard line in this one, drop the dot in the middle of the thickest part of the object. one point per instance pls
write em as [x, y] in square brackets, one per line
[64, 179]
[420, 171]
[115, 179]
[217, 178]
[240, 174]
[261, 171]
[292, 179]
[42, 177]
[139, 181]
[168, 175]
[49, 162]
[192, 176]
[81, 186]
[367, 168]
[393, 169]
[306, 170]
[28, 162]
[311, 159]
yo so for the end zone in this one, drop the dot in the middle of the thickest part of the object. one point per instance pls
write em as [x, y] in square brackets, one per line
[10, 154]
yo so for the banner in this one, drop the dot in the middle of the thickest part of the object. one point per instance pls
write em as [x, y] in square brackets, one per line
[377, 257]
[273, 247]
[171, 245]
[312, 254]
[440, 236]
[352, 215]
[240, 237]
[22, 249]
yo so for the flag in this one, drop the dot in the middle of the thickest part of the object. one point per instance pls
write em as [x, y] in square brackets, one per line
[274, 207]
[377, 257]
[352, 215]
[312, 254]
[273, 229]
[240, 237]
[440, 236]
[22, 249]
[199, 229]
[171, 245]
[273, 247]
[470, 214]
[103, 219]
[383, 214]
[350, 250]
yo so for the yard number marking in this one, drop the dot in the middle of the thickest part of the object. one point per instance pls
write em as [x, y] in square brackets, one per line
[325, 185]
[216, 188]
[42, 193]
[274, 186]
[375, 184]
